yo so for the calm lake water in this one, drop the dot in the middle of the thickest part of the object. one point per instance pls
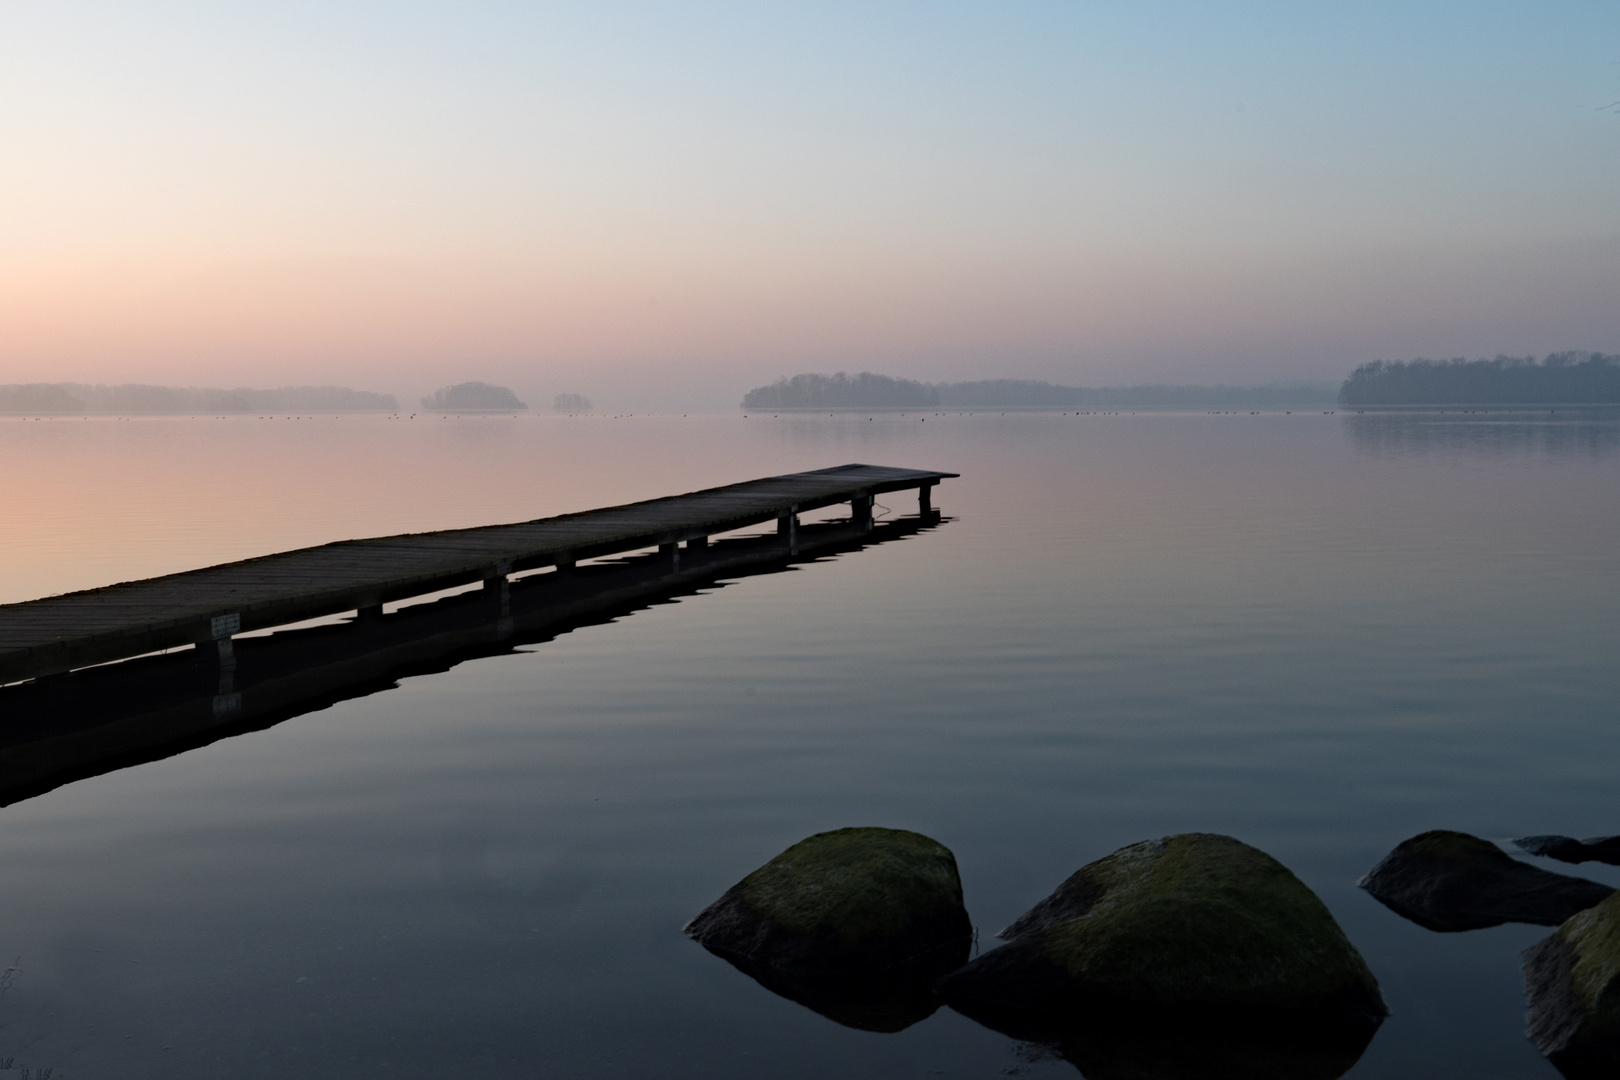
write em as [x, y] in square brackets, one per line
[1320, 634]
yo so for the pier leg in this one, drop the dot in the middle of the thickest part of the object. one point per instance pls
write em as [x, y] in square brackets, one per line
[219, 657]
[671, 555]
[787, 527]
[499, 592]
[860, 512]
[925, 500]
[369, 613]
[499, 589]
[697, 543]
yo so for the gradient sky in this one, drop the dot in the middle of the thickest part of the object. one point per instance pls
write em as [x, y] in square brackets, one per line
[661, 205]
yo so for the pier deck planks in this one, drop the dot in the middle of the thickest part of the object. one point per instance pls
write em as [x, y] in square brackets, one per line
[59, 633]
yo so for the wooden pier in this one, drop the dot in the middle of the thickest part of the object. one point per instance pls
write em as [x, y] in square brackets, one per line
[114, 716]
[58, 634]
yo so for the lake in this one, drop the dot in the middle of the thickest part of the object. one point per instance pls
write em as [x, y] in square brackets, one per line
[1321, 634]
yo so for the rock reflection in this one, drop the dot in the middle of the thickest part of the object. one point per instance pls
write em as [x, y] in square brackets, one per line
[1184, 1045]
[884, 1002]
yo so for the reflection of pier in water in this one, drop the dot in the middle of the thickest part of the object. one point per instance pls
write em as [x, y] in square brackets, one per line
[67, 726]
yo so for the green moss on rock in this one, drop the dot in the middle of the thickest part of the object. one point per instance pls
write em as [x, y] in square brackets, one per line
[854, 899]
[1195, 920]
[859, 883]
[1203, 917]
[1450, 846]
[1593, 936]
[1572, 979]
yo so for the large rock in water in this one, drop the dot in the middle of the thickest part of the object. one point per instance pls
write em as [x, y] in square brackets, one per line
[1572, 979]
[855, 923]
[1198, 938]
[1451, 881]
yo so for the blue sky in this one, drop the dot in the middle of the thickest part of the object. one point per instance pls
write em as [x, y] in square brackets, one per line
[664, 202]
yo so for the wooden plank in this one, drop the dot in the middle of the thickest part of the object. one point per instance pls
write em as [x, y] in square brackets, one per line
[56, 633]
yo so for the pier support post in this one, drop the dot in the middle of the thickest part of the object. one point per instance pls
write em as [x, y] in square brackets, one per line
[925, 500]
[671, 555]
[219, 650]
[697, 543]
[499, 589]
[219, 653]
[787, 527]
[860, 512]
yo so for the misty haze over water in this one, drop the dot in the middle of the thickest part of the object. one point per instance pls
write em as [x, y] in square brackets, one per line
[1318, 633]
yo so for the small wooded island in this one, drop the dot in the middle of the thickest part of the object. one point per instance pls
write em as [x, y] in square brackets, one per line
[1567, 378]
[473, 397]
[869, 391]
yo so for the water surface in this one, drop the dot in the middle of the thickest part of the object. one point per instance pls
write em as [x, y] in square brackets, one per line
[1320, 634]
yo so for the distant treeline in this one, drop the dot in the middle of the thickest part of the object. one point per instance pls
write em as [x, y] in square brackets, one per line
[841, 391]
[1568, 378]
[56, 399]
[473, 397]
[869, 391]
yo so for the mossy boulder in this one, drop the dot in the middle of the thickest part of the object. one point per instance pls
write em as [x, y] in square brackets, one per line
[855, 923]
[1191, 926]
[1451, 881]
[1572, 980]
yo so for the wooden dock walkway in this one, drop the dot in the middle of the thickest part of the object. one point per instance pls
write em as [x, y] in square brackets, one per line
[60, 633]
[113, 716]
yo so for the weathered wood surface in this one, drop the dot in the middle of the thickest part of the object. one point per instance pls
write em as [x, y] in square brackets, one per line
[59, 633]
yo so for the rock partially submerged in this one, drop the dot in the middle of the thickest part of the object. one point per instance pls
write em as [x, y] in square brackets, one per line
[855, 923]
[1603, 849]
[1572, 979]
[1451, 881]
[1197, 934]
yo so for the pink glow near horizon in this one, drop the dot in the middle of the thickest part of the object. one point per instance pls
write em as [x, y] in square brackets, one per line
[665, 211]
